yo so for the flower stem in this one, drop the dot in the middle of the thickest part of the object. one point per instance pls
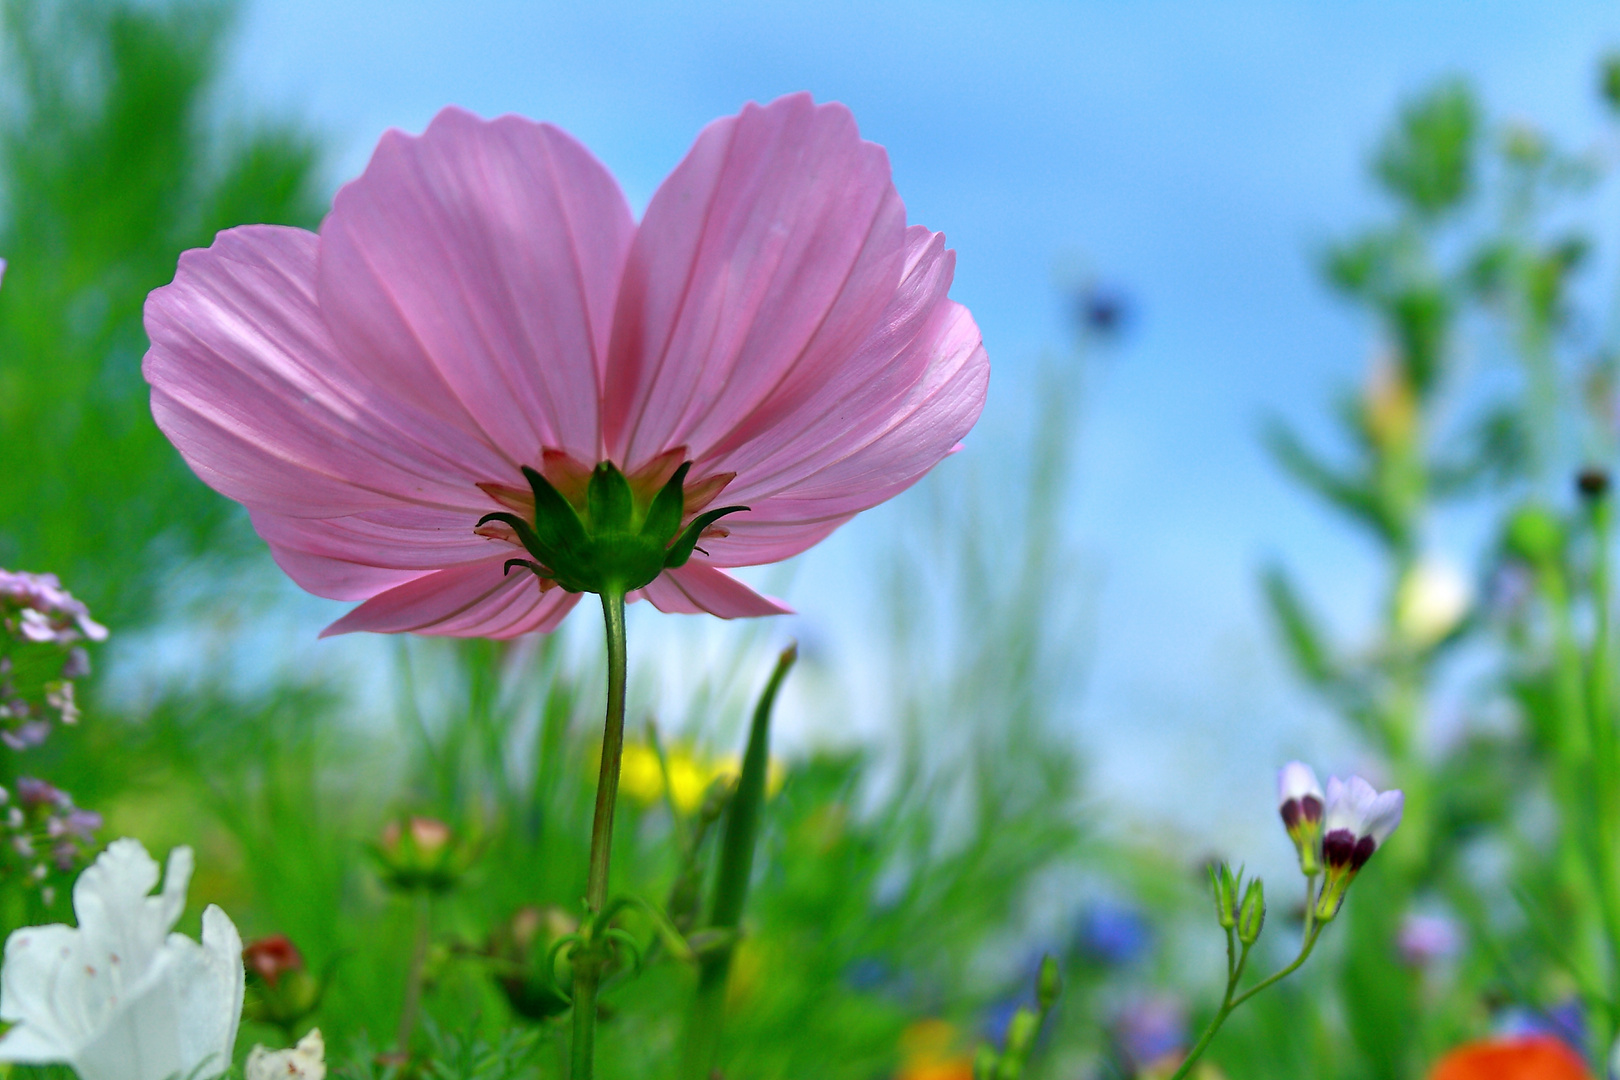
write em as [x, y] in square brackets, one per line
[412, 1006]
[1232, 999]
[588, 959]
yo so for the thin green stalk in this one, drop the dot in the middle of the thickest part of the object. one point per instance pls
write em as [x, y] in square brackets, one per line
[1607, 767]
[1231, 1000]
[588, 959]
[739, 832]
[412, 1007]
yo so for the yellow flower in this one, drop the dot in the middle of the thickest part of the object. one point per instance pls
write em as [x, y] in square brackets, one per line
[690, 774]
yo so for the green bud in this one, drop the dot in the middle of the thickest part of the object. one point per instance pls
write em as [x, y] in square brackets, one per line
[1253, 917]
[1049, 984]
[1225, 887]
[985, 1062]
[1021, 1034]
[422, 854]
[1534, 535]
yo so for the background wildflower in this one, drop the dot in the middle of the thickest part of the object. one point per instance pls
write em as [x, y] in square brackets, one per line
[120, 997]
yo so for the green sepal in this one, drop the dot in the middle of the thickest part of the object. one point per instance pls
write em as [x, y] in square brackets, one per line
[668, 507]
[528, 564]
[608, 500]
[681, 549]
[555, 519]
[526, 535]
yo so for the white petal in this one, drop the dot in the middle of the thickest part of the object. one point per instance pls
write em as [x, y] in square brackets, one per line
[306, 1061]
[1295, 781]
[1349, 804]
[34, 955]
[140, 1040]
[1337, 815]
[210, 993]
[26, 1045]
[117, 916]
[1384, 815]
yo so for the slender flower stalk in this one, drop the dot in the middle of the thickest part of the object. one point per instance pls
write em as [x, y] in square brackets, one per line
[588, 958]
[1335, 833]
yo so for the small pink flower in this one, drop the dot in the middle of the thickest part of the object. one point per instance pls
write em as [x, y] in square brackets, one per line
[480, 300]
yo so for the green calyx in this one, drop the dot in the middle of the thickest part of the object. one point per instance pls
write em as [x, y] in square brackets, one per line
[613, 544]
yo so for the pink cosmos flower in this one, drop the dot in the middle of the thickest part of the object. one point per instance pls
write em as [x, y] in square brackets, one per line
[480, 301]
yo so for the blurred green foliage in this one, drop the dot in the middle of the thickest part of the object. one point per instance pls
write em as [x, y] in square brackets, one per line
[115, 155]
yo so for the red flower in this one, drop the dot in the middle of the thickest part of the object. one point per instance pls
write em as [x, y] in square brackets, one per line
[1533, 1057]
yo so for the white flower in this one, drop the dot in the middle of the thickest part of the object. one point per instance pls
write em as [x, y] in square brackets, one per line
[1358, 820]
[1296, 785]
[1299, 800]
[306, 1061]
[120, 997]
[1431, 600]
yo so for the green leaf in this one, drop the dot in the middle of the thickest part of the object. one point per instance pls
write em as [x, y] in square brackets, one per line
[1358, 499]
[1298, 627]
[1427, 161]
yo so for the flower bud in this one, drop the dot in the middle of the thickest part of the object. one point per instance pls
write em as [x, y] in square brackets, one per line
[284, 990]
[519, 948]
[1592, 482]
[1252, 919]
[1021, 1033]
[1225, 887]
[1534, 535]
[421, 854]
[986, 1062]
[1300, 802]
[1048, 984]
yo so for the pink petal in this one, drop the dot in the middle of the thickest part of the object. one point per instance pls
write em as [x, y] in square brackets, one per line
[763, 541]
[472, 270]
[697, 588]
[767, 255]
[470, 600]
[250, 389]
[356, 557]
[903, 403]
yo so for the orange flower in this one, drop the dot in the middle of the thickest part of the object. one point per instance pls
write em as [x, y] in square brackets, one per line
[928, 1046]
[1531, 1057]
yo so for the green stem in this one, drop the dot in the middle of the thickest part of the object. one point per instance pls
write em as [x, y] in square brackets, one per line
[739, 832]
[1603, 741]
[588, 959]
[1229, 1003]
[412, 1006]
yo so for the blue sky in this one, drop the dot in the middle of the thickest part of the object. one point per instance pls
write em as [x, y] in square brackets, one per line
[1194, 153]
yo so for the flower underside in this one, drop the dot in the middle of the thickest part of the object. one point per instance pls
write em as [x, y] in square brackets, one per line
[597, 530]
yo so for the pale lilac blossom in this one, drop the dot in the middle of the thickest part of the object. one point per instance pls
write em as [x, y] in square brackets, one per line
[1357, 822]
[481, 300]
